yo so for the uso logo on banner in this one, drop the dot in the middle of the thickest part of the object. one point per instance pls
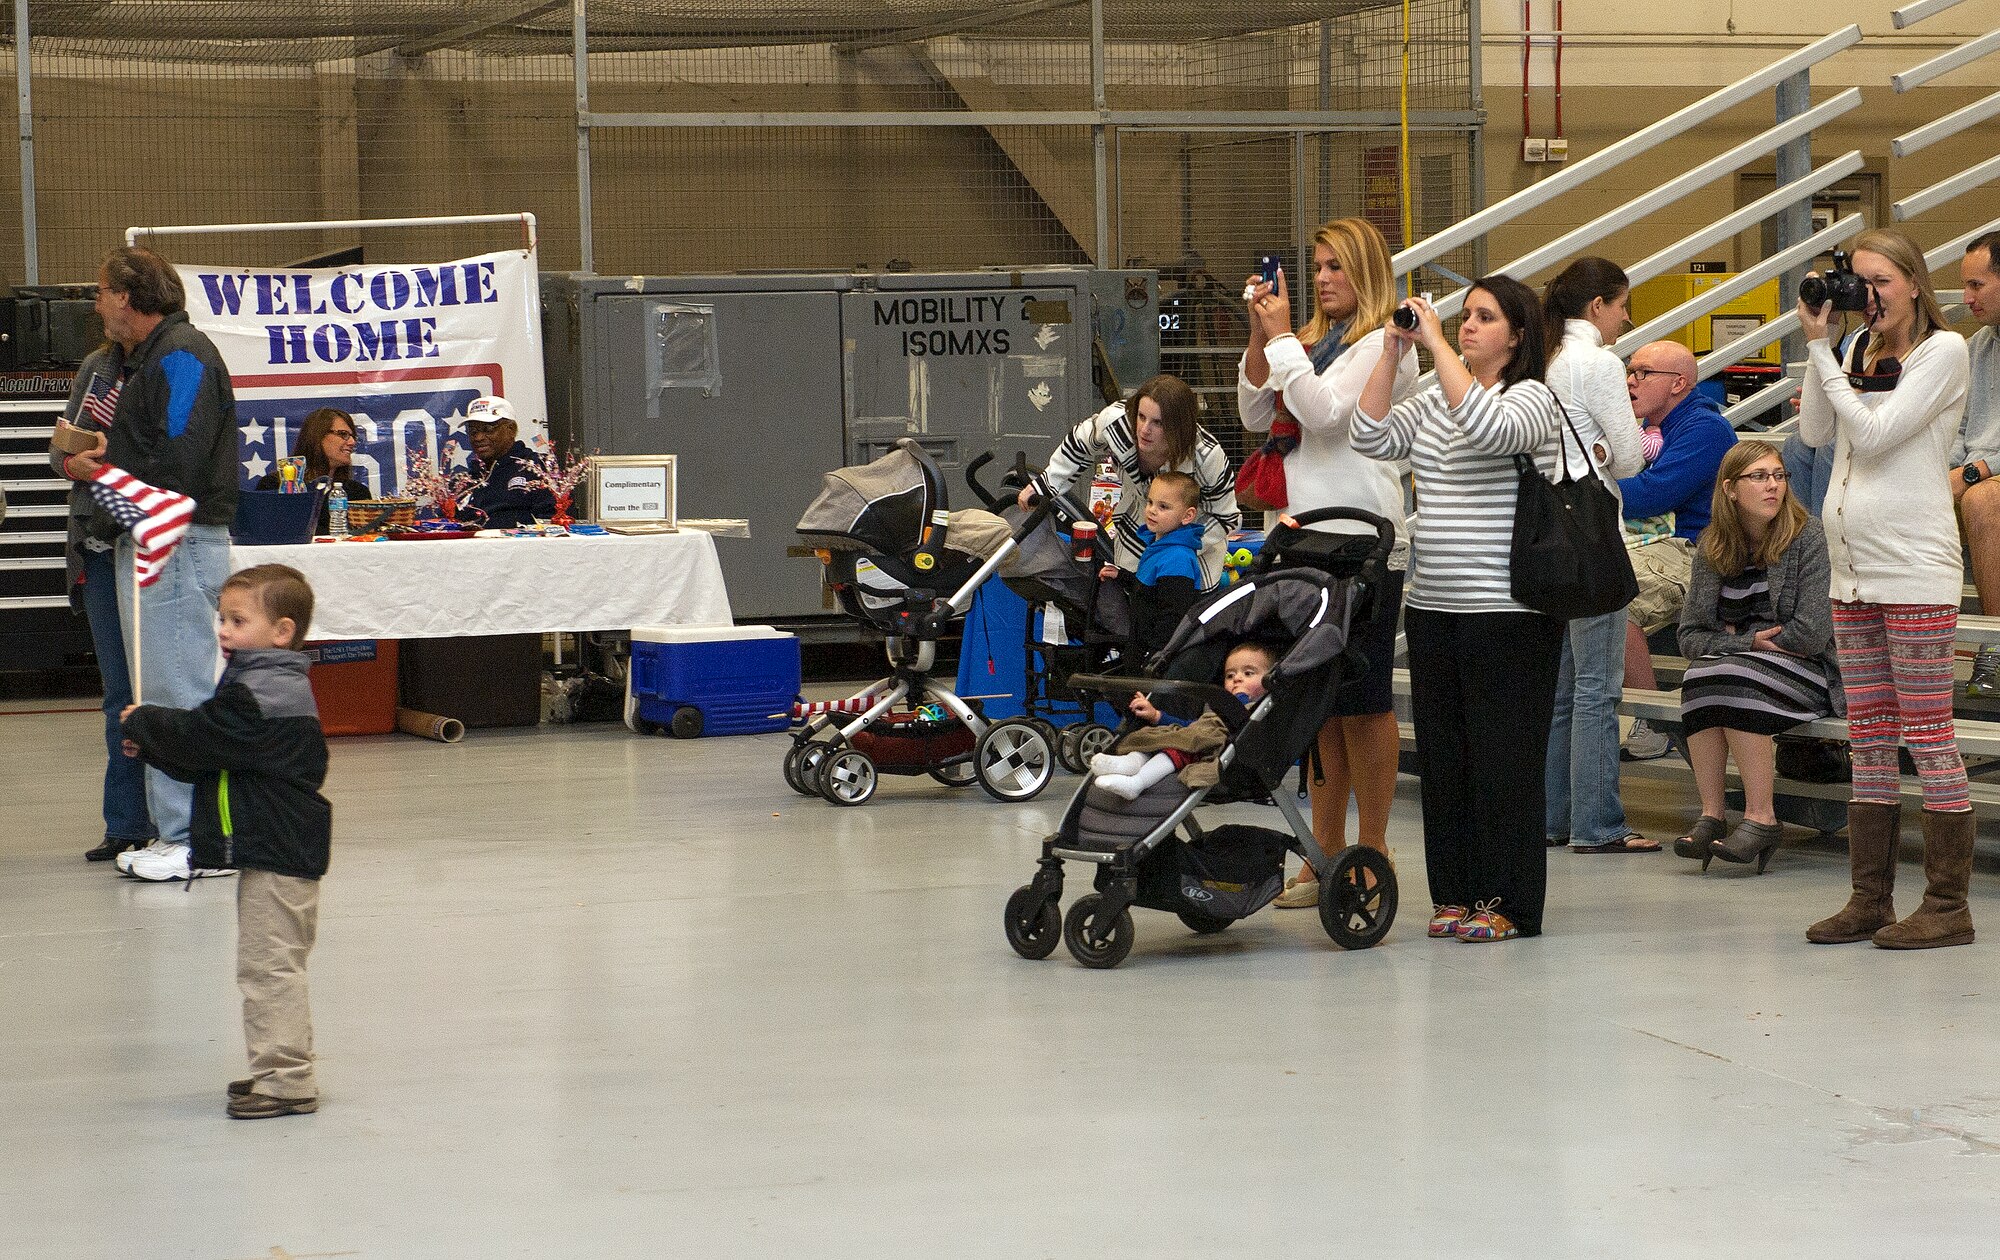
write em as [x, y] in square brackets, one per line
[403, 349]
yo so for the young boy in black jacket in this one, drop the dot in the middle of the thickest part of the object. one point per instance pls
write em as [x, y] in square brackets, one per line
[256, 756]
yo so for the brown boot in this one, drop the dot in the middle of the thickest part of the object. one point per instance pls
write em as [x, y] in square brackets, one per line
[1873, 832]
[1943, 918]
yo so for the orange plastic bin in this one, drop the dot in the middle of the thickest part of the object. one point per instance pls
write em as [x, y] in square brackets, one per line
[354, 683]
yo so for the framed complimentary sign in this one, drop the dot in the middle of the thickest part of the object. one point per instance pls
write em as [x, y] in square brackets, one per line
[634, 494]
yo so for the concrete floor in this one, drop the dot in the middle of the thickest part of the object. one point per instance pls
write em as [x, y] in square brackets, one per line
[584, 994]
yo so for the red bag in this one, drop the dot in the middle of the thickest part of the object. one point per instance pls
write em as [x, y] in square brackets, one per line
[1260, 482]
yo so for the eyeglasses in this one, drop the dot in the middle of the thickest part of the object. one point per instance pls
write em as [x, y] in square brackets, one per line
[1763, 478]
[1642, 373]
[344, 434]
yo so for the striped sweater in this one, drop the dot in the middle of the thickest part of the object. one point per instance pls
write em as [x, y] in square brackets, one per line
[1109, 433]
[1463, 458]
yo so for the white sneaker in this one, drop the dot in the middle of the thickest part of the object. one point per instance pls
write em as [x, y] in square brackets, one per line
[124, 860]
[171, 864]
[1644, 743]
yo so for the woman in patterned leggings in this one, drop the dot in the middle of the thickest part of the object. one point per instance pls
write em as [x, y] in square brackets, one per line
[1892, 410]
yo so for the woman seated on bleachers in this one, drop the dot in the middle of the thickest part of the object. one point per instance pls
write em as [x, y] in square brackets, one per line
[1757, 629]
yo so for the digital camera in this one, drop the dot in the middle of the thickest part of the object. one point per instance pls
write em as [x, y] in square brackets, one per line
[1847, 291]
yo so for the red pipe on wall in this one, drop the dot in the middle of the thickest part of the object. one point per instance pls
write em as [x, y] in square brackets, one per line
[1527, 43]
[1559, 68]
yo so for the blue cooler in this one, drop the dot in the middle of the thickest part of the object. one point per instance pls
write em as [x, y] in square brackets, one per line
[712, 680]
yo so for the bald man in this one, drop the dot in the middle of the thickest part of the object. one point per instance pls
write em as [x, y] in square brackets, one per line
[1661, 379]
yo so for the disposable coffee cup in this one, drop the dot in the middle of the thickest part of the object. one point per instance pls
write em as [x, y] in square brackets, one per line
[1083, 540]
[71, 440]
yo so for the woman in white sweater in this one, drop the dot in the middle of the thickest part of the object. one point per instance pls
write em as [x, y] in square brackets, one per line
[1585, 308]
[1316, 376]
[1482, 665]
[1892, 412]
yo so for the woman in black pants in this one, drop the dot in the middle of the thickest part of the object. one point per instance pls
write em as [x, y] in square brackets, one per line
[1482, 665]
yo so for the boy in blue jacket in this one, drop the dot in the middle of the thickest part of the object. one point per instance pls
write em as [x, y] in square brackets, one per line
[1169, 577]
[256, 756]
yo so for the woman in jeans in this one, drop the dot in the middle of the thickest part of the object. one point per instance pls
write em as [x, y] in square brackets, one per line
[1315, 376]
[1757, 630]
[1482, 665]
[1585, 309]
[1891, 412]
[93, 587]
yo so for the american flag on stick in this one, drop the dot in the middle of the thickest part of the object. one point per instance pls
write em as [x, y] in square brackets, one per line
[100, 401]
[157, 518]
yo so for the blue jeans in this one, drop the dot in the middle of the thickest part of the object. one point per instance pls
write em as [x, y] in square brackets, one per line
[125, 815]
[177, 658]
[1581, 774]
[1811, 470]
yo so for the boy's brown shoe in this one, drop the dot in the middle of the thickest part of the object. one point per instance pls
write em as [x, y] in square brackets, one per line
[265, 1107]
[238, 1089]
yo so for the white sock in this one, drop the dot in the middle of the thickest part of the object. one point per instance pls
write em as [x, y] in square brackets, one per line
[1117, 763]
[1128, 786]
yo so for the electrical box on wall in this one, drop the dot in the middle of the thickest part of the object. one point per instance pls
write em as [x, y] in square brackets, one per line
[1558, 150]
[1534, 149]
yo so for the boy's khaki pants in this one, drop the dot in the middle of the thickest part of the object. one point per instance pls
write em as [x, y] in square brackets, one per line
[277, 917]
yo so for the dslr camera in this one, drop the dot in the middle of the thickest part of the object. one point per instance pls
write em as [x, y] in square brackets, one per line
[1847, 291]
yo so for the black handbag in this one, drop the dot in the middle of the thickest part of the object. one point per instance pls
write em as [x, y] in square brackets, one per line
[1569, 558]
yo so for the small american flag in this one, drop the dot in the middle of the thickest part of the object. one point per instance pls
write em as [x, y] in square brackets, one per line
[156, 517]
[100, 401]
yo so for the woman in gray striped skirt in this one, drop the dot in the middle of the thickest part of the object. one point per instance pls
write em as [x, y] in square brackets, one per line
[1757, 629]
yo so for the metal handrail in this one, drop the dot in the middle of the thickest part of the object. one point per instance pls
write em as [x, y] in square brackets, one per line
[1684, 185]
[1508, 209]
[1951, 124]
[1946, 189]
[1946, 62]
[1739, 284]
[1911, 14]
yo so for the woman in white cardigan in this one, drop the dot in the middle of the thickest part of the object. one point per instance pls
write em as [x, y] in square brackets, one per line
[1585, 308]
[1316, 377]
[1892, 412]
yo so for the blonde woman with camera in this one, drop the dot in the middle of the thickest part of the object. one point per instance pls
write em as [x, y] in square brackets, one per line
[1891, 411]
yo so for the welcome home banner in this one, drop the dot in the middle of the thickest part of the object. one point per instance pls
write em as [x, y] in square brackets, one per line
[402, 348]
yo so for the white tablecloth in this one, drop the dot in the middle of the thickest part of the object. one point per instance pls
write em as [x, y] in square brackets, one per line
[439, 590]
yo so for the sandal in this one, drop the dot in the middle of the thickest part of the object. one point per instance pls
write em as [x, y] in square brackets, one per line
[1706, 831]
[1632, 843]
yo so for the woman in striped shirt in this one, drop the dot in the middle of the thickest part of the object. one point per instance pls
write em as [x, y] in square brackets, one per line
[1154, 431]
[1482, 665]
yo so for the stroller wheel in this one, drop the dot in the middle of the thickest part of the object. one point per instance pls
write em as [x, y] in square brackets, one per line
[1034, 923]
[1013, 760]
[1066, 751]
[1081, 923]
[1092, 738]
[1204, 924]
[1357, 898]
[802, 763]
[847, 777]
[963, 774]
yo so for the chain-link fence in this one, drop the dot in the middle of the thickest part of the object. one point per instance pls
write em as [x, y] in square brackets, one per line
[727, 136]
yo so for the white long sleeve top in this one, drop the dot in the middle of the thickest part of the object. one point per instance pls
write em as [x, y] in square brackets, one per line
[1326, 470]
[1589, 381]
[1891, 537]
[1461, 560]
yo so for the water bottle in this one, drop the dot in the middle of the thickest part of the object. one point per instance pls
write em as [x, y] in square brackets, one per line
[336, 510]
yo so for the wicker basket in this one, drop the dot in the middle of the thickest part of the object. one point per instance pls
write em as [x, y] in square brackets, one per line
[372, 516]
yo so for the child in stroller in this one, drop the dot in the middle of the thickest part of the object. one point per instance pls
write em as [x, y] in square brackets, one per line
[1303, 592]
[1155, 751]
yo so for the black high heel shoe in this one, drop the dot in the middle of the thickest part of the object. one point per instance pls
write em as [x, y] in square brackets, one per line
[1750, 842]
[1706, 831]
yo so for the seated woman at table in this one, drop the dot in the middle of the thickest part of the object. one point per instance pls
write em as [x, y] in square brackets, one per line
[509, 493]
[1757, 630]
[326, 439]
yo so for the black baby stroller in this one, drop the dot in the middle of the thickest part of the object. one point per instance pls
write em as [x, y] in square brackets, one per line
[1304, 591]
[900, 561]
[1085, 622]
